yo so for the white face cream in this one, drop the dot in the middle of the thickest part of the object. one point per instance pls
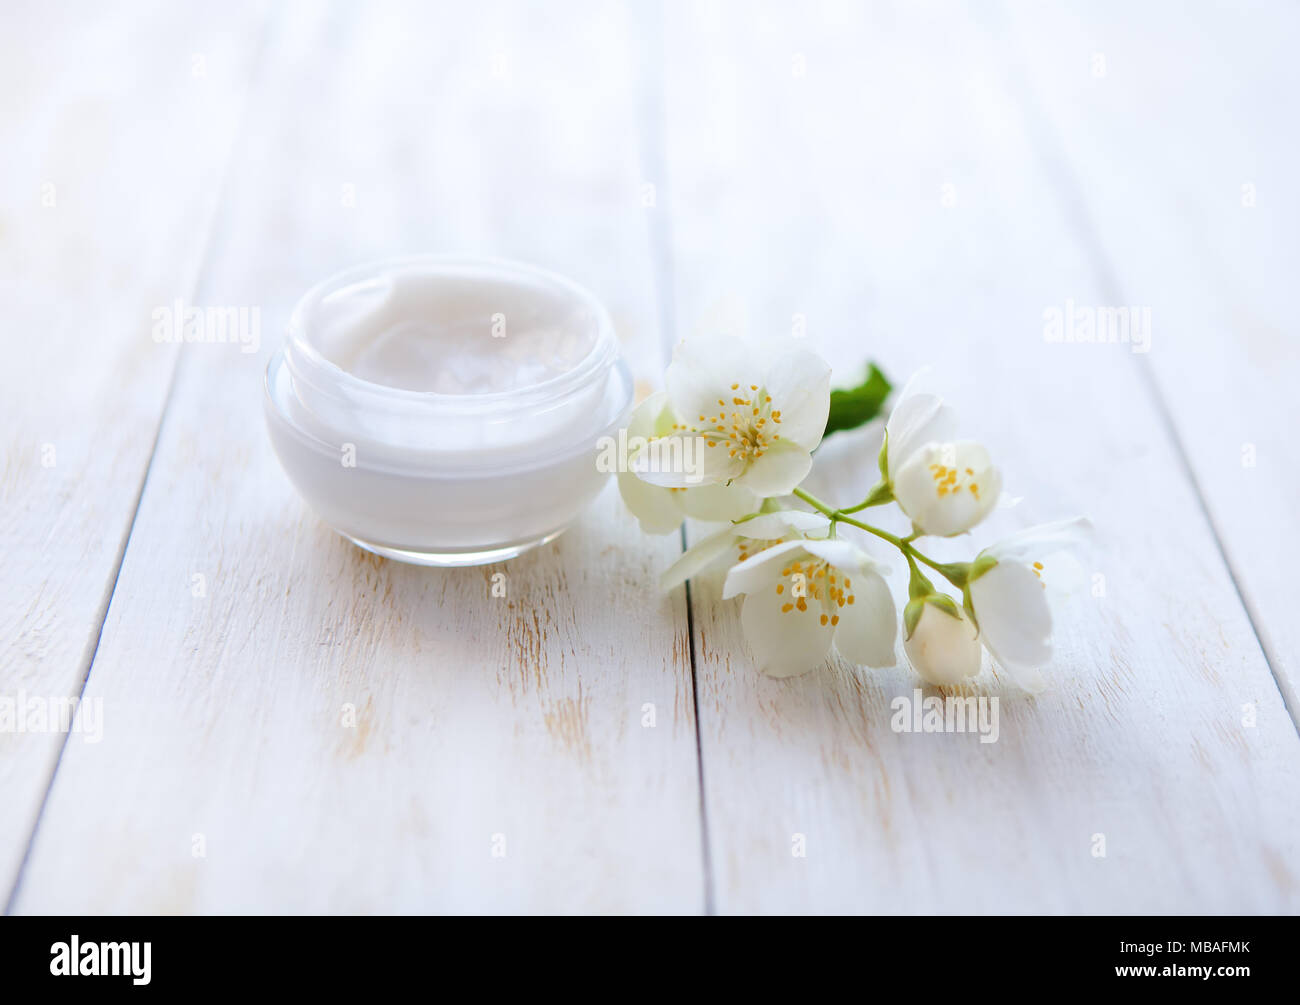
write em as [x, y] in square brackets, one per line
[446, 411]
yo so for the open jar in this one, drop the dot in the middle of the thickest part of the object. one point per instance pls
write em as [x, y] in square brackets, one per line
[447, 411]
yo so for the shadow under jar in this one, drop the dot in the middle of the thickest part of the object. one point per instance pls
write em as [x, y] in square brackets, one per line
[447, 411]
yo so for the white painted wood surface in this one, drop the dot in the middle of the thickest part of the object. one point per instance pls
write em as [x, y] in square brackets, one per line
[1173, 149]
[483, 724]
[907, 182]
[1140, 739]
[116, 132]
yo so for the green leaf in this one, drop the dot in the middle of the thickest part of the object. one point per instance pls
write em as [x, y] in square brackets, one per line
[912, 615]
[982, 564]
[852, 407]
[945, 603]
[916, 607]
[957, 573]
[918, 587]
[969, 606]
[880, 494]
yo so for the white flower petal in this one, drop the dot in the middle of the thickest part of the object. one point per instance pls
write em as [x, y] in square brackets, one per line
[1052, 549]
[784, 643]
[760, 572]
[702, 372]
[653, 507]
[1039, 542]
[943, 649]
[1063, 576]
[1014, 617]
[845, 556]
[845, 465]
[697, 557]
[684, 461]
[781, 468]
[645, 416]
[717, 502]
[868, 626]
[916, 420]
[771, 526]
[799, 383]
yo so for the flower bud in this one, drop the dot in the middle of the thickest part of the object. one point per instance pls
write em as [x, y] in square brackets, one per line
[944, 649]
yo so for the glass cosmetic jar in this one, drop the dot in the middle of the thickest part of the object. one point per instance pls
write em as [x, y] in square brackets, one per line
[447, 411]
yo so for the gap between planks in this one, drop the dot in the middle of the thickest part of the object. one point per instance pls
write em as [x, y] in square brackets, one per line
[97, 627]
[1075, 205]
[655, 166]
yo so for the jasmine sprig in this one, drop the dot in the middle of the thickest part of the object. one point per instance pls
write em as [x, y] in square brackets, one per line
[806, 590]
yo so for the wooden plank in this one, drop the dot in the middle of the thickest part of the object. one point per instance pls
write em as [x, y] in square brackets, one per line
[483, 724]
[116, 124]
[867, 177]
[1172, 128]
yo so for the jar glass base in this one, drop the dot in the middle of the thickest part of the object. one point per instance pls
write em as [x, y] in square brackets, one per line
[453, 559]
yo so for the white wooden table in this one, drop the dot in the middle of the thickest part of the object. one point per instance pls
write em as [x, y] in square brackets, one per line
[291, 725]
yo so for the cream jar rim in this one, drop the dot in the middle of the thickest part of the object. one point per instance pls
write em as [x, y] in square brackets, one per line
[306, 361]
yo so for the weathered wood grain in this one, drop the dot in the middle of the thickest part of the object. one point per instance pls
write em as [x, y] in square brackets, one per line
[1172, 138]
[291, 725]
[869, 177]
[483, 725]
[116, 123]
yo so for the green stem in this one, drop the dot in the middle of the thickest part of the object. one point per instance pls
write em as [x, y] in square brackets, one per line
[902, 544]
[814, 502]
[864, 505]
[881, 494]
